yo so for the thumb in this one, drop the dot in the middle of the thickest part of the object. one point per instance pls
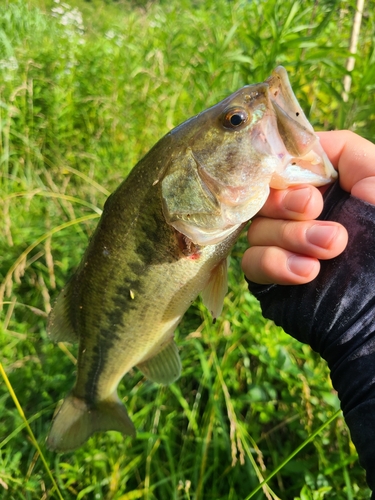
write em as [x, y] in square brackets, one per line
[354, 158]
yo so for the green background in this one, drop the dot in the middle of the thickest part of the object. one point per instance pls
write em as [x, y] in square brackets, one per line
[86, 88]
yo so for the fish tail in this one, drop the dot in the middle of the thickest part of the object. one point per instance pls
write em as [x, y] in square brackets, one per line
[76, 421]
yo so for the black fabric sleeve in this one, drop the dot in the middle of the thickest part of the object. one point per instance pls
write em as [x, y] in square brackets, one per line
[335, 314]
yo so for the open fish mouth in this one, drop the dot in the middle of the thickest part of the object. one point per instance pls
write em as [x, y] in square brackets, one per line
[301, 143]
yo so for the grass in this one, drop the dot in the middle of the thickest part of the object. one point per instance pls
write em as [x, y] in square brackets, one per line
[80, 103]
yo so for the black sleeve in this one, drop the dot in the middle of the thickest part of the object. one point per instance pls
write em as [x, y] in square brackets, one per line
[335, 314]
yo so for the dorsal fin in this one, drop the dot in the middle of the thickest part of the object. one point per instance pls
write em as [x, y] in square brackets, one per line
[59, 326]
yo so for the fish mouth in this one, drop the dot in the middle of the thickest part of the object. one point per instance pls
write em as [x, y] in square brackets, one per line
[301, 142]
[286, 143]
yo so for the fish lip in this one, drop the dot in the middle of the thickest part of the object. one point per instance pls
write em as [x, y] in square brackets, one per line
[279, 79]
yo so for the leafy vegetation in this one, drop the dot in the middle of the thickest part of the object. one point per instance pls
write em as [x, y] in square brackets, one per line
[86, 89]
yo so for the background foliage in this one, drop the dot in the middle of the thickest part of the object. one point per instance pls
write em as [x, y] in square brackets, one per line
[86, 89]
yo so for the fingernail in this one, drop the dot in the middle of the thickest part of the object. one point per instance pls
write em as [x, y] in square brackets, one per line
[302, 266]
[320, 235]
[297, 199]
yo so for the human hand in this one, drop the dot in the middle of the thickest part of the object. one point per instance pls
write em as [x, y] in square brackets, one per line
[286, 242]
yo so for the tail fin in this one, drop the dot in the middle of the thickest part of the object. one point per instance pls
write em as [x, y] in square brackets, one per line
[76, 421]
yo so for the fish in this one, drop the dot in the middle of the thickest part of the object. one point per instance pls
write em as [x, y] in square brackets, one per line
[164, 238]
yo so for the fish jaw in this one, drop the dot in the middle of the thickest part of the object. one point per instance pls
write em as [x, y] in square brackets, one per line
[302, 144]
[313, 168]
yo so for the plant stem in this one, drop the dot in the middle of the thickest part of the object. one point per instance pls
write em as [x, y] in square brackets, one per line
[353, 48]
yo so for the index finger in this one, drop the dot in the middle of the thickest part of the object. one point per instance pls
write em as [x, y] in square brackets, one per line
[302, 202]
[354, 158]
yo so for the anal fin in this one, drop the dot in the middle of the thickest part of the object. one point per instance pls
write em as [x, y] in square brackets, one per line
[165, 367]
[216, 289]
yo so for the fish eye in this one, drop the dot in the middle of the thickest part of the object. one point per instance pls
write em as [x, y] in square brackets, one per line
[235, 117]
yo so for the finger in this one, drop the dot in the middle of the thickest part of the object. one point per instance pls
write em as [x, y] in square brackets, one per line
[365, 189]
[266, 265]
[354, 157]
[317, 239]
[298, 203]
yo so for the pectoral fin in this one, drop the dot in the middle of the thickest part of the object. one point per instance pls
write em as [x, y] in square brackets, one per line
[216, 289]
[165, 367]
[59, 325]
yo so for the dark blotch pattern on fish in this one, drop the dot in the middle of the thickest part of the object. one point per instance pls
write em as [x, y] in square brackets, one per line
[109, 335]
[155, 230]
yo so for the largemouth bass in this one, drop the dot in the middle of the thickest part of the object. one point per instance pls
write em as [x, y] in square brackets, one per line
[164, 237]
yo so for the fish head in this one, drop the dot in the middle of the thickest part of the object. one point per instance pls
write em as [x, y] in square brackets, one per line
[231, 154]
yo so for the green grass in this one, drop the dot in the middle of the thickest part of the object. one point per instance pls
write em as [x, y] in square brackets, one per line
[79, 105]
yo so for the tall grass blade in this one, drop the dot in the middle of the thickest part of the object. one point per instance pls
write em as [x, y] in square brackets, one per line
[29, 430]
[21, 258]
[295, 452]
